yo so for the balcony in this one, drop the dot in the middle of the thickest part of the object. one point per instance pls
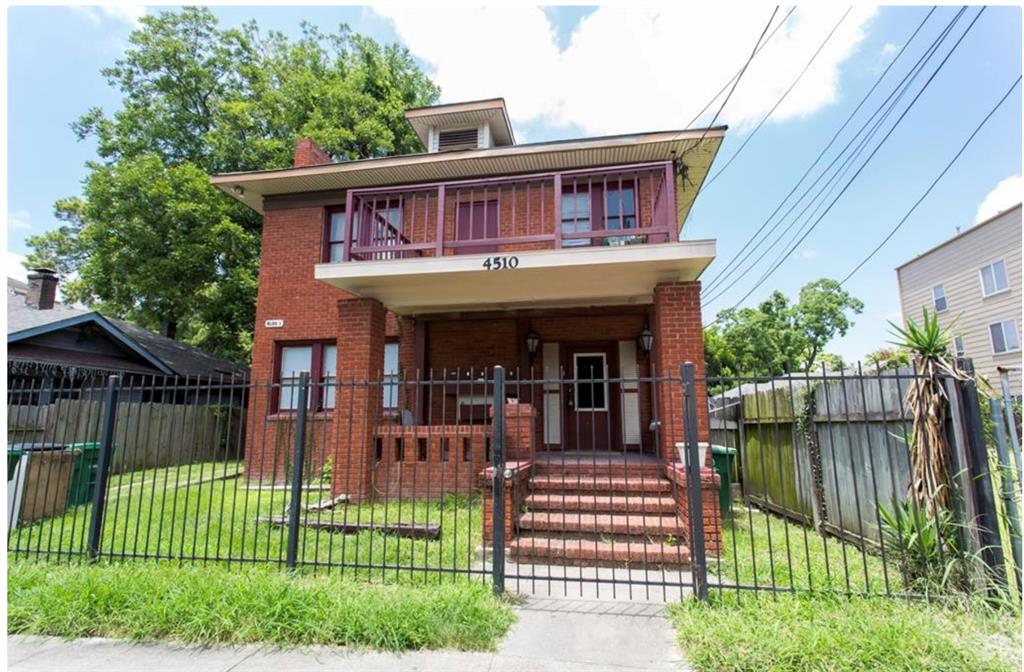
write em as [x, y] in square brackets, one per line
[576, 237]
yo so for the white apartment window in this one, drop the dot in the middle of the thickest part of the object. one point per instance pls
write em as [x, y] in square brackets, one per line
[939, 297]
[958, 346]
[1004, 336]
[294, 359]
[993, 278]
[391, 375]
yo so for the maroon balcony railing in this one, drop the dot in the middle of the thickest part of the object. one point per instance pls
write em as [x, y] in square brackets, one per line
[621, 205]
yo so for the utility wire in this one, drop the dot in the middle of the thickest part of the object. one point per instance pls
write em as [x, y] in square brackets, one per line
[786, 93]
[927, 191]
[881, 143]
[740, 71]
[739, 257]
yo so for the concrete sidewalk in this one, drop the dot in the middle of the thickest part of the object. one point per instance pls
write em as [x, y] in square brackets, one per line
[575, 636]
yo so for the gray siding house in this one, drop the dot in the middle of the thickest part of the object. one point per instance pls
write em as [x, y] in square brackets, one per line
[973, 281]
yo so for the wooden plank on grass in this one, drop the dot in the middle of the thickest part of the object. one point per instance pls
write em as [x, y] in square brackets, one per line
[430, 531]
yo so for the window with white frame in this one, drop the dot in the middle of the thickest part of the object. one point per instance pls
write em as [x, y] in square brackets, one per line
[317, 358]
[391, 375]
[1004, 336]
[993, 278]
[958, 346]
[939, 298]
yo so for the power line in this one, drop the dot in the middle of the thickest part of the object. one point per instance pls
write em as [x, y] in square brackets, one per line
[740, 71]
[881, 143]
[740, 257]
[938, 178]
[774, 107]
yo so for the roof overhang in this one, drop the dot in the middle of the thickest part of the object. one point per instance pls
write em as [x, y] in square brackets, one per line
[696, 149]
[586, 276]
[463, 115]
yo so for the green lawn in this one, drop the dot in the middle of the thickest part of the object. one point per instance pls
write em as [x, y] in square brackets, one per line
[761, 549]
[219, 520]
[793, 633]
[189, 603]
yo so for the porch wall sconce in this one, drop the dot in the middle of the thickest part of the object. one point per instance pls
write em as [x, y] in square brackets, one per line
[532, 343]
[646, 340]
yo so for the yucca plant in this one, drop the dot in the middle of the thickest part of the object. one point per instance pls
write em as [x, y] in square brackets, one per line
[926, 401]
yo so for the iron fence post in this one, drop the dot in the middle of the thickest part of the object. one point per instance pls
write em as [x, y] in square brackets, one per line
[99, 495]
[300, 453]
[977, 457]
[498, 491]
[698, 558]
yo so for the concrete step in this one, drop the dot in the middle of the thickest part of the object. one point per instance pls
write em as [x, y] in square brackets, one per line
[555, 467]
[600, 485]
[543, 549]
[600, 524]
[645, 503]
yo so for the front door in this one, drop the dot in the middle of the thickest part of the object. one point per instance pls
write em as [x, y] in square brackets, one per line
[588, 418]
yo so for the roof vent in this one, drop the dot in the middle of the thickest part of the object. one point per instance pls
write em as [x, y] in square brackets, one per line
[459, 139]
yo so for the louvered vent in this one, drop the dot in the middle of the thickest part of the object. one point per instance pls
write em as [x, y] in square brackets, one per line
[461, 139]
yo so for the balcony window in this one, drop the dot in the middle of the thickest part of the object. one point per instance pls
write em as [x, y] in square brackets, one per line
[575, 217]
[319, 360]
[620, 211]
[993, 278]
[1004, 336]
[334, 236]
[939, 298]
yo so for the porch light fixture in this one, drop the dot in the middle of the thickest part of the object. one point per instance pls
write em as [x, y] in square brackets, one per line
[532, 343]
[646, 340]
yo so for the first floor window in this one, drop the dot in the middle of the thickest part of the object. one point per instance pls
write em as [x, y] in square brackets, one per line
[958, 346]
[993, 278]
[318, 359]
[1004, 336]
[390, 375]
[939, 297]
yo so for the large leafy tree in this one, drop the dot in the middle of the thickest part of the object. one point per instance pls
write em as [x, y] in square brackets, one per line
[149, 239]
[778, 337]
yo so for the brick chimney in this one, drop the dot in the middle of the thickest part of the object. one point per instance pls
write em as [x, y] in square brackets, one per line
[308, 153]
[42, 289]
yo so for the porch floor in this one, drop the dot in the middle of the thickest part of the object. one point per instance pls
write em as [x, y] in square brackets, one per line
[592, 457]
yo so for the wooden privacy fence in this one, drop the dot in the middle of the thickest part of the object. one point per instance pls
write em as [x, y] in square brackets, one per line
[147, 435]
[826, 452]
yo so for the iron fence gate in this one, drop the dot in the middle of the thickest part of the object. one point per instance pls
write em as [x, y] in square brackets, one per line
[649, 487]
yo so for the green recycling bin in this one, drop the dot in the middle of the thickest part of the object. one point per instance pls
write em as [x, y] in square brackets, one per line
[722, 457]
[83, 479]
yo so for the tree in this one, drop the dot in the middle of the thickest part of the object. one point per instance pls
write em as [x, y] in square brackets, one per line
[887, 358]
[776, 337]
[150, 239]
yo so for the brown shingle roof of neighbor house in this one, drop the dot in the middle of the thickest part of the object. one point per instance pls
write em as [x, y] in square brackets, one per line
[165, 354]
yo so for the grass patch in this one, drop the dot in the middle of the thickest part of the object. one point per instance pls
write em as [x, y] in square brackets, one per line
[154, 601]
[792, 632]
[761, 549]
[217, 521]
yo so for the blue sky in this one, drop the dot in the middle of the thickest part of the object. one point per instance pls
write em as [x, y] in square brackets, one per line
[612, 70]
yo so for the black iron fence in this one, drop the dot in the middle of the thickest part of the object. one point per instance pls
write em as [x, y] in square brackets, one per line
[643, 486]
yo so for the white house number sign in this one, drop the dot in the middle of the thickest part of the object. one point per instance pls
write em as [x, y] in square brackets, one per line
[273, 324]
[501, 263]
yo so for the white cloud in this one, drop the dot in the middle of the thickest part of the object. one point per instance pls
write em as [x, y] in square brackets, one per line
[1006, 194]
[19, 220]
[889, 49]
[128, 13]
[14, 268]
[629, 69]
[808, 253]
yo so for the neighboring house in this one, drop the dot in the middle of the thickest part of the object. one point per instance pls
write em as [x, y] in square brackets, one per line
[556, 260]
[973, 282]
[55, 349]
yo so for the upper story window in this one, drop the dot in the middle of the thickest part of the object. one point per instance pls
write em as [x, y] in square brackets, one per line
[334, 235]
[620, 207]
[575, 217]
[1004, 336]
[609, 206]
[939, 298]
[993, 278]
[317, 358]
[958, 346]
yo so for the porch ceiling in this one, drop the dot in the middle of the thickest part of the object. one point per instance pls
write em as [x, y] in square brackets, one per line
[543, 278]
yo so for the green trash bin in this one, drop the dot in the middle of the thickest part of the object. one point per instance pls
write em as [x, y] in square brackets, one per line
[83, 479]
[722, 457]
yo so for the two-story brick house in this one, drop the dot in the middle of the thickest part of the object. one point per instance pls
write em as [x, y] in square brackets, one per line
[556, 260]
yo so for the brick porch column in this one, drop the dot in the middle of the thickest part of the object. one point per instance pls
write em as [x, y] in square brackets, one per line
[678, 338]
[357, 407]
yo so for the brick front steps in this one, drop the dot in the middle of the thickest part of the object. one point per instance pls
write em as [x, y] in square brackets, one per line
[612, 514]
[589, 552]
